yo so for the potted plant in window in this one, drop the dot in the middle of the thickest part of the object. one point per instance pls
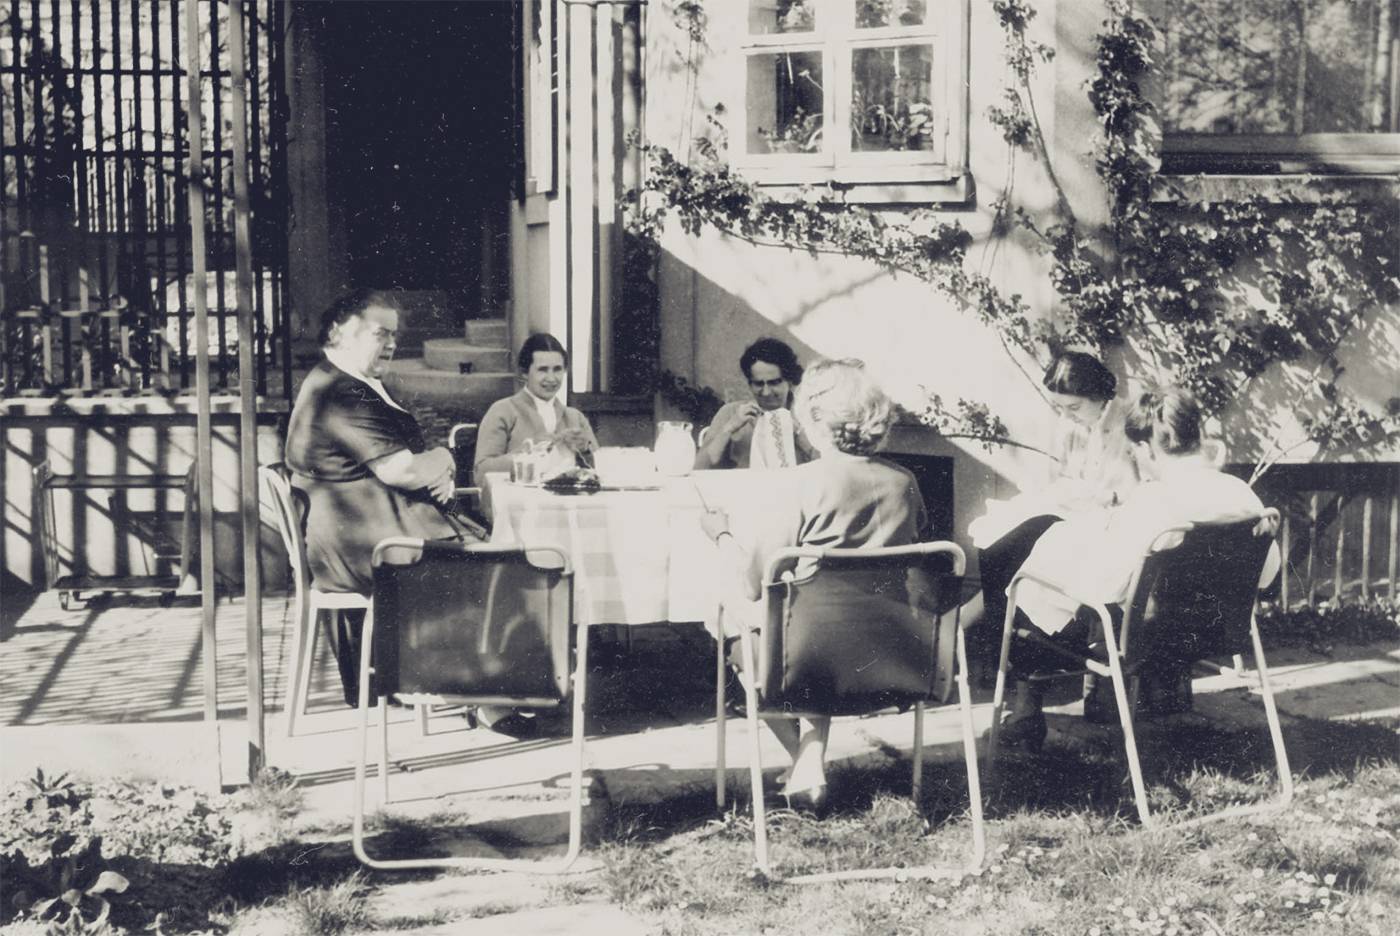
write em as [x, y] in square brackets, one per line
[801, 133]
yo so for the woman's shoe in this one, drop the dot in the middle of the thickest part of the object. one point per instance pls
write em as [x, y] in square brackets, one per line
[811, 800]
[1101, 705]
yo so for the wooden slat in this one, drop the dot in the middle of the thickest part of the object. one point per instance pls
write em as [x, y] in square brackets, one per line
[1310, 584]
[1337, 582]
[247, 393]
[1394, 545]
[1366, 509]
[118, 482]
[1287, 546]
[204, 439]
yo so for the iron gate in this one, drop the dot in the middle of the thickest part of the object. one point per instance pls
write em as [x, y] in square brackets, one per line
[95, 281]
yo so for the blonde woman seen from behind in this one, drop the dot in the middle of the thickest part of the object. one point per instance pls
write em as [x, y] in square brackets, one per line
[848, 497]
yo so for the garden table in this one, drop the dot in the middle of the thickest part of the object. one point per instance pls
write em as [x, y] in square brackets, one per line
[639, 555]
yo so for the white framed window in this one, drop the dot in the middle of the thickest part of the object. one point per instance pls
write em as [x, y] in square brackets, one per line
[850, 91]
[1259, 85]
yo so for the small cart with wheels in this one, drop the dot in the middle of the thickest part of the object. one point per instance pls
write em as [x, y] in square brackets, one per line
[75, 588]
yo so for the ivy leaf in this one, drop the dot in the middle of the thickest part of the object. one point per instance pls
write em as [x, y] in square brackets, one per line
[109, 882]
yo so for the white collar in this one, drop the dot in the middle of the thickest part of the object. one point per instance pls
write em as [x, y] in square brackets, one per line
[337, 357]
[546, 408]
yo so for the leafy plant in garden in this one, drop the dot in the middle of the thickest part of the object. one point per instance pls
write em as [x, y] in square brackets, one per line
[50, 860]
[1205, 294]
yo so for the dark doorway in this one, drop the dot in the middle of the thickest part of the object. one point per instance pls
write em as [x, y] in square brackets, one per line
[420, 139]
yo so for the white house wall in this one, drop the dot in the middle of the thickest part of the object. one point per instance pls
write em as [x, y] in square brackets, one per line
[719, 293]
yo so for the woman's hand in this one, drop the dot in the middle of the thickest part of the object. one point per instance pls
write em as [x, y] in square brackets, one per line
[575, 440]
[715, 523]
[442, 480]
[744, 414]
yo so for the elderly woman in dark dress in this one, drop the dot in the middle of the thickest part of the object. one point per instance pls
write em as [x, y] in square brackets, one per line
[361, 461]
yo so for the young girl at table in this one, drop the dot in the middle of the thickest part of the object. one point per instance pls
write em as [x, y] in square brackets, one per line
[1092, 470]
[1095, 558]
[849, 498]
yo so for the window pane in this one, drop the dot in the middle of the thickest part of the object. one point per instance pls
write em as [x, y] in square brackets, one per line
[781, 16]
[891, 98]
[1270, 67]
[874, 14]
[784, 102]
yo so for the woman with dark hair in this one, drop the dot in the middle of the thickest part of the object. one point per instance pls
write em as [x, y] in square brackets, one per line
[772, 371]
[361, 460]
[848, 497]
[1092, 468]
[534, 414]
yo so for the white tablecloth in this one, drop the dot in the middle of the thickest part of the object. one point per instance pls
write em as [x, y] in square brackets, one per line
[639, 556]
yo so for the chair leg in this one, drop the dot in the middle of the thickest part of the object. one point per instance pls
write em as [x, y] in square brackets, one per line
[536, 867]
[576, 795]
[721, 771]
[974, 790]
[1125, 716]
[1285, 773]
[916, 786]
[969, 733]
[357, 831]
[384, 749]
[999, 693]
[303, 650]
[760, 818]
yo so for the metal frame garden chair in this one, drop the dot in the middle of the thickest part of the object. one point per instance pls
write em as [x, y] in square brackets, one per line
[479, 624]
[858, 635]
[1187, 602]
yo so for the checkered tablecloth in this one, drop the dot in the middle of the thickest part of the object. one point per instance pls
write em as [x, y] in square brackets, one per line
[639, 556]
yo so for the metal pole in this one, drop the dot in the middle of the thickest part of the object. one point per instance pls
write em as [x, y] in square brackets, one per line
[247, 395]
[204, 440]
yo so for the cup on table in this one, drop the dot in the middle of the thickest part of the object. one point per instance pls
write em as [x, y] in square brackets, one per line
[522, 467]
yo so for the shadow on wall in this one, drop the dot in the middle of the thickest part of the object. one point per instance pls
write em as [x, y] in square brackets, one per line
[1270, 415]
[706, 327]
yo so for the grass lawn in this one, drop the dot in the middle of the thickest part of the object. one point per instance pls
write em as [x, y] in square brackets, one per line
[1065, 858]
[1066, 854]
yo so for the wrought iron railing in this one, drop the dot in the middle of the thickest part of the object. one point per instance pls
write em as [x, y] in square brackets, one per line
[95, 279]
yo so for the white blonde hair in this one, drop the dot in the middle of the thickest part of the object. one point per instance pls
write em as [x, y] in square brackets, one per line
[841, 400]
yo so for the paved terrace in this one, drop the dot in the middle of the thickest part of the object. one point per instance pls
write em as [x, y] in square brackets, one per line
[117, 689]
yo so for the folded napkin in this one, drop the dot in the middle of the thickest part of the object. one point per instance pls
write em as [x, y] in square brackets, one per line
[772, 445]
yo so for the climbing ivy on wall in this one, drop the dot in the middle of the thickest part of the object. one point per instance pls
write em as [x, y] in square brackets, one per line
[1206, 294]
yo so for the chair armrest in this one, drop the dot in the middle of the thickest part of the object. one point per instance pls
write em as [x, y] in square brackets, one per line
[786, 555]
[459, 427]
[1098, 607]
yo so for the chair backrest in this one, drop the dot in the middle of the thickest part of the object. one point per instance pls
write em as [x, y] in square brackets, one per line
[1197, 599]
[461, 442]
[290, 522]
[858, 634]
[476, 622]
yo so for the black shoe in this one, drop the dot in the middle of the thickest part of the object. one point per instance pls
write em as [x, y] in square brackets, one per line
[736, 698]
[1100, 705]
[1024, 731]
[510, 722]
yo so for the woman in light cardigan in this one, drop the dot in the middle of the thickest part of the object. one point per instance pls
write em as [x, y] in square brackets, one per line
[533, 414]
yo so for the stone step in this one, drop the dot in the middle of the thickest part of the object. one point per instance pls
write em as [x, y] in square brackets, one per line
[449, 354]
[489, 333]
[458, 395]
